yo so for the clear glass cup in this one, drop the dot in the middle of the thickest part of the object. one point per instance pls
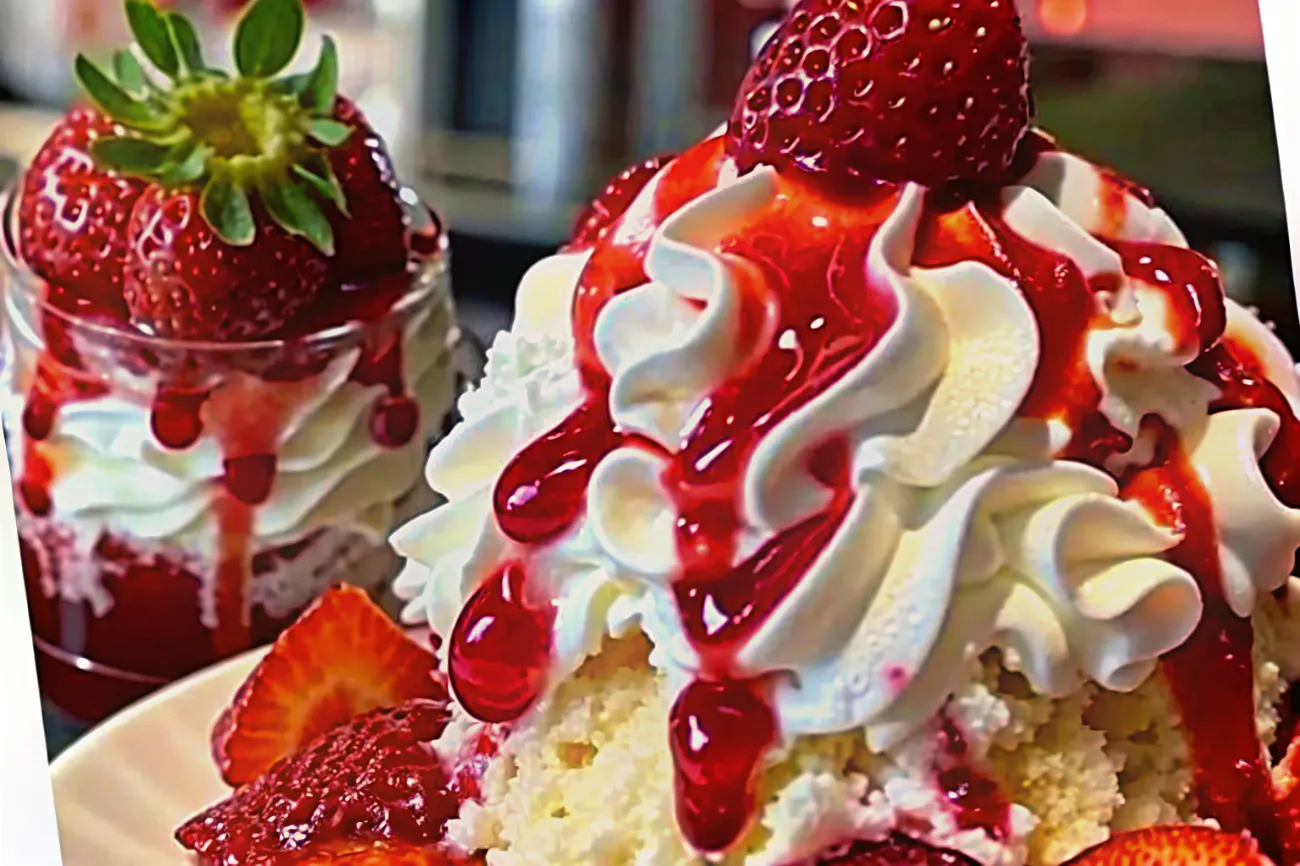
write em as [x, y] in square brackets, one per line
[180, 502]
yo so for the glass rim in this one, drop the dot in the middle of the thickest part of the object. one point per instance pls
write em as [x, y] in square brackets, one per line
[427, 282]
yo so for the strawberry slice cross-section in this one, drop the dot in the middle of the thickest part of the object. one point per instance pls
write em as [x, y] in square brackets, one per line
[342, 658]
[1176, 845]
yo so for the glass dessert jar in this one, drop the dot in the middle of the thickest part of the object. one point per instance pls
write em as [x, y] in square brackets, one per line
[179, 502]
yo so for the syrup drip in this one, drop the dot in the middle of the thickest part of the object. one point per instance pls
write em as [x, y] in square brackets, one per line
[542, 491]
[1232, 775]
[805, 340]
[1065, 308]
[395, 416]
[976, 800]
[718, 733]
[57, 381]
[500, 647]
[176, 417]
[1233, 782]
[233, 633]
[538, 496]
[1190, 284]
[1240, 377]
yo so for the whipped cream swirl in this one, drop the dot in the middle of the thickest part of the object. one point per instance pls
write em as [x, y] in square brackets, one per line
[113, 474]
[966, 530]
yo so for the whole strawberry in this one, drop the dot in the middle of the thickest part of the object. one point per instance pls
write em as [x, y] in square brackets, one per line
[853, 92]
[236, 210]
[73, 215]
[183, 280]
[371, 237]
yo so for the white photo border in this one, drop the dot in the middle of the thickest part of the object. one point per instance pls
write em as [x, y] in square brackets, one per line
[28, 829]
[1281, 25]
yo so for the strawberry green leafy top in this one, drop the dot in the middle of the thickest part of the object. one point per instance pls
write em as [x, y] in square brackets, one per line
[255, 135]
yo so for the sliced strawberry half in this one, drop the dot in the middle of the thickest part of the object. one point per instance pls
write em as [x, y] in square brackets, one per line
[897, 850]
[371, 784]
[1175, 846]
[851, 92]
[343, 657]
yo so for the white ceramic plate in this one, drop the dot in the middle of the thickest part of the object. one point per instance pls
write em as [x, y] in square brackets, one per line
[121, 791]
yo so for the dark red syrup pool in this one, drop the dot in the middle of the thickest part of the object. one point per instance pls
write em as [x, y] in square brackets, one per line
[93, 662]
[806, 282]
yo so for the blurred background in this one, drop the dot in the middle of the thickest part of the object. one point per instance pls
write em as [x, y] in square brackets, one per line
[509, 114]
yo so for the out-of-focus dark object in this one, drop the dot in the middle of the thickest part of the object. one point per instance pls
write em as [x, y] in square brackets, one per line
[381, 46]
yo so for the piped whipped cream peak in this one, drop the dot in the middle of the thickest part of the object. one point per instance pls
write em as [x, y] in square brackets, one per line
[827, 432]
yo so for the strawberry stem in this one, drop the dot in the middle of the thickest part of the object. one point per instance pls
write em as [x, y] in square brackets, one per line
[232, 139]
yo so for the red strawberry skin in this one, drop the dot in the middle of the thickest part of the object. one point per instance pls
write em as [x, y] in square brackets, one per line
[857, 91]
[1174, 846]
[73, 216]
[182, 281]
[895, 851]
[341, 658]
[372, 242]
[595, 220]
[372, 780]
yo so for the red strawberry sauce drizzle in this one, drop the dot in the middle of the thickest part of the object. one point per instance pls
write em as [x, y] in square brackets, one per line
[1233, 782]
[246, 418]
[815, 286]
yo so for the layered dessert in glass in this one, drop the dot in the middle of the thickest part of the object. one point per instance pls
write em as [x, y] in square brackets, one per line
[228, 335]
[876, 482]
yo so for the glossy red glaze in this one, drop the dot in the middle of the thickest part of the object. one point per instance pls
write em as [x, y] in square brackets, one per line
[543, 489]
[718, 732]
[1233, 783]
[395, 416]
[1190, 284]
[1061, 297]
[500, 647]
[977, 801]
[1239, 375]
[176, 417]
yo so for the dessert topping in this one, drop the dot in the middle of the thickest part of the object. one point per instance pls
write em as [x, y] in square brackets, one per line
[343, 657]
[857, 92]
[373, 779]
